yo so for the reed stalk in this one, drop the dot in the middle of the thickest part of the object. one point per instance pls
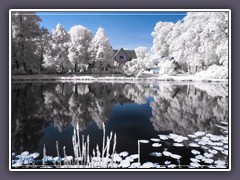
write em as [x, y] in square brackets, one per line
[58, 154]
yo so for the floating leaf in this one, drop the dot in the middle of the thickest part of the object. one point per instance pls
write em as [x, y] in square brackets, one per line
[166, 153]
[199, 133]
[219, 162]
[163, 137]
[195, 160]
[195, 165]
[124, 164]
[212, 151]
[172, 165]
[208, 155]
[175, 156]
[148, 165]
[134, 156]
[155, 140]
[144, 141]
[218, 148]
[123, 154]
[25, 153]
[194, 145]
[208, 161]
[192, 136]
[156, 154]
[135, 165]
[167, 162]
[156, 145]
[178, 144]
[34, 155]
[201, 157]
[195, 152]
[225, 152]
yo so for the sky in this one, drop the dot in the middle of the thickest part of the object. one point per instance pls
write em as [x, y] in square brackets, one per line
[126, 30]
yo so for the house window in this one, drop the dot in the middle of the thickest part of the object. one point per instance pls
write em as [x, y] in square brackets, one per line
[121, 57]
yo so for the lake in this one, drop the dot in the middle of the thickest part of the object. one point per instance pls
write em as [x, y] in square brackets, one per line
[43, 113]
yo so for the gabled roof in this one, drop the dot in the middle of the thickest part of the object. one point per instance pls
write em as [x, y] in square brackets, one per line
[130, 53]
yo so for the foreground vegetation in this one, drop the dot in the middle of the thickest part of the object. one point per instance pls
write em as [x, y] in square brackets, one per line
[209, 151]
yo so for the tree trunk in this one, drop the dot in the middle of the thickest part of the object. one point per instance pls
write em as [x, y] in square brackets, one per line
[76, 89]
[17, 64]
[189, 69]
[41, 61]
[62, 68]
[75, 68]
[62, 88]
[42, 96]
[24, 102]
[25, 67]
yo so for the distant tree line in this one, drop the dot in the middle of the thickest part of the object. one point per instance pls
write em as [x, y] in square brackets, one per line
[198, 42]
[35, 50]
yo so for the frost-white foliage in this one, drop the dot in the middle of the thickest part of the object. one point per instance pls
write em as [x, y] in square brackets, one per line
[100, 48]
[160, 33]
[57, 54]
[133, 67]
[25, 35]
[214, 71]
[81, 38]
[198, 41]
[143, 58]
[168, 67]
[141, 52]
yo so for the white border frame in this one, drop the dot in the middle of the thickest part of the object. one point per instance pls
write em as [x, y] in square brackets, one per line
[123, 10]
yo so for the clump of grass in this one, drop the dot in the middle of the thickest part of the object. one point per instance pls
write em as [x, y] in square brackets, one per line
[103, 159]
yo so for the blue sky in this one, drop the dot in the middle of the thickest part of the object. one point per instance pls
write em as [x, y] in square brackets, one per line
[124, 29]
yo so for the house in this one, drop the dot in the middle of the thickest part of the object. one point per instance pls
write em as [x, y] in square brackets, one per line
[123, 56]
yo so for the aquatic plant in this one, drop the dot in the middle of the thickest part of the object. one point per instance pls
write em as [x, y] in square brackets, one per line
[207, 151]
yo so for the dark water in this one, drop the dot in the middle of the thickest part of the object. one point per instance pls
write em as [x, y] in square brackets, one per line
[43, 113]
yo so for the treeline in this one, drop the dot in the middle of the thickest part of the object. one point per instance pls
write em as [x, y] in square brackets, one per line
[197, 42]
[35, 50]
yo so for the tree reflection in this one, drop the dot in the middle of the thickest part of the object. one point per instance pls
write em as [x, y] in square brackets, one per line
[182, 109]
[187, 109]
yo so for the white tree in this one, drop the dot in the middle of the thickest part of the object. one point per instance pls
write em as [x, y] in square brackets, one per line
[25, 32]
[57, 55]
[43, 46]
[141, 52]
[78, 51]
[160, 43]
[143, 58]
[198, 41]
[100, 49]
[132, 68]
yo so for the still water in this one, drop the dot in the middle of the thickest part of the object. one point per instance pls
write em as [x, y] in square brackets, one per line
[43, 113]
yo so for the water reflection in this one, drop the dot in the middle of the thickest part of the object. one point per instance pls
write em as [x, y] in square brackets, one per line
[181, 109]
[190, 108]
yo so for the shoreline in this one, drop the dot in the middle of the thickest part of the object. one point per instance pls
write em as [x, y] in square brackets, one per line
[112, 77]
